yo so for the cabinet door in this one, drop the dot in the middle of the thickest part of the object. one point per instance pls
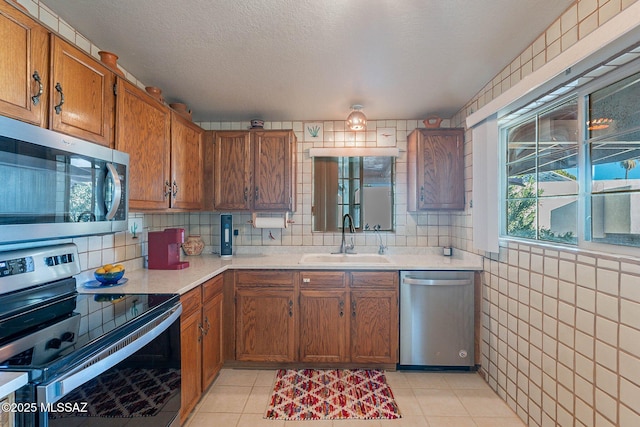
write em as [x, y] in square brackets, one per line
[273, 170]
[24, 59]
[232, 157]
[143, 131]
[187, 170]
[323, 325]
[82, 94]
[212, 319]
[436, 169]
[190, 351]
[265, 325]
[374, 326]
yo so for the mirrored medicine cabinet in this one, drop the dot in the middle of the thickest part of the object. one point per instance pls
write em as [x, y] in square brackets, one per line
[362, 186]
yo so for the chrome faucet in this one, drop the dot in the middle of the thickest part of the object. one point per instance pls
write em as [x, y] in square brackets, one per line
[382, 247]
[344, 247]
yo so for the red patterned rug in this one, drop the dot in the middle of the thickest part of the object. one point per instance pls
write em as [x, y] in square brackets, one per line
[332, 394]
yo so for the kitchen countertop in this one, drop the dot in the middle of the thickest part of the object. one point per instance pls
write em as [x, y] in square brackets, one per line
[206, 266]
[11, 381]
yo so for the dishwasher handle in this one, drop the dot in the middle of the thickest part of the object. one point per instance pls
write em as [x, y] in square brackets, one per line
[435, 282]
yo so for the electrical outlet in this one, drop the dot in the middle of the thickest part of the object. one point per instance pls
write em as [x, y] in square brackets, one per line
[136, 226]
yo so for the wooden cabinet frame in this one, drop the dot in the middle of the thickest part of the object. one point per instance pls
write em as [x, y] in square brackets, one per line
[254, 170]
[22, 97]
[435, 169]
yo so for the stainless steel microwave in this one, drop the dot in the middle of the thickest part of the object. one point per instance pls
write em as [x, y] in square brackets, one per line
[54, 185]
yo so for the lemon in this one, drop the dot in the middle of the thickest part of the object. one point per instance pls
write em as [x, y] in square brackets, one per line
[101, 271]
[116, 269]
[107, 267]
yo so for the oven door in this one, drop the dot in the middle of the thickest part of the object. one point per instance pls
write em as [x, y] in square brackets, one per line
[134, 380]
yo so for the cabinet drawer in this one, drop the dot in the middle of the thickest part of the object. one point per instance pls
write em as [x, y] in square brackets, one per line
[211, 288]
[322, 279]
[268, 278]
[190, 302]
[374, 279]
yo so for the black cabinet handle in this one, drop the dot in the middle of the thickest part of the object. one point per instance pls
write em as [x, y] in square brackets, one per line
[58, 107]
[167, 189]
[36, 98]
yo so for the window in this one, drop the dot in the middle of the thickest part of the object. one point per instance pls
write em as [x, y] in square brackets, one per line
[589, 140]
[541, 171]
[613, 141]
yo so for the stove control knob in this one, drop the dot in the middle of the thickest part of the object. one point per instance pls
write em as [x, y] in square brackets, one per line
[54, 343]
[67, 336]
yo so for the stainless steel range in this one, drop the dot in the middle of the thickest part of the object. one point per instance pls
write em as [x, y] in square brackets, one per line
[92, 359]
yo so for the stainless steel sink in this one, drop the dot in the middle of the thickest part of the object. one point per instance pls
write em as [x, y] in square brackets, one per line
[345, 259]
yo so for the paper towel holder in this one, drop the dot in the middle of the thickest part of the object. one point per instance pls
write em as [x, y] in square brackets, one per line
[286, 222]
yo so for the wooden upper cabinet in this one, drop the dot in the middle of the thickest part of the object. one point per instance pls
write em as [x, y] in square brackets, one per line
[435, 169]
[273, 152]
[24, 67]
[186, 163]
[254, 170]
[143, 129]
[81, 94]
[233, 167]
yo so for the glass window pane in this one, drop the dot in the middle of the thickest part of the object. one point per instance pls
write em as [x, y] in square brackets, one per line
[616, 218]
[522, 217]
[615, 109]
[542, 176]
[557, 219]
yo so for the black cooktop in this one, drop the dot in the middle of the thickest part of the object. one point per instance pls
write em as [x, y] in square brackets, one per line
[50, 331]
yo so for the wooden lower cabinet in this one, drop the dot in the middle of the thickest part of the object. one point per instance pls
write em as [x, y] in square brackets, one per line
[190, 351]
[265, 325]
[212, 356]
[330, 317]
[265, 316]
[201, 331]
[374, 326]
[374, 317]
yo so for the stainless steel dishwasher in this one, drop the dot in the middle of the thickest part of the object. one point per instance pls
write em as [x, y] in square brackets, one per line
[437, 319]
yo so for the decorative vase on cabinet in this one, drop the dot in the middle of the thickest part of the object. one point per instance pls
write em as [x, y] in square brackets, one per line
[193, 245]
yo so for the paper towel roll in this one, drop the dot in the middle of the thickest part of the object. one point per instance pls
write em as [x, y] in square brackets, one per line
[270, 222]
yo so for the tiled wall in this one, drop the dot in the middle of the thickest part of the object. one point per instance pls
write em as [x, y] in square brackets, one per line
[560, 327]
[411, 229]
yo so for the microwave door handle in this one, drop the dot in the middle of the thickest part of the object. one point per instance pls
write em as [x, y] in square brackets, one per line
[112, 174]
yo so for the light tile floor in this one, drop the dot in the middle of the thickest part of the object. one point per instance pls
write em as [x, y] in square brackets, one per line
[239, 398]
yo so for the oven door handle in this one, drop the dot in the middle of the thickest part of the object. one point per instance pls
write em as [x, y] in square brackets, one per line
[106, 358]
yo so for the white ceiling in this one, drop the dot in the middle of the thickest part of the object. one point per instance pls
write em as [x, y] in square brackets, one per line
[233, 60]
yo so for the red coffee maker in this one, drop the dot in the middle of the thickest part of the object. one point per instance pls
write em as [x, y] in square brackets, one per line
[164, 249]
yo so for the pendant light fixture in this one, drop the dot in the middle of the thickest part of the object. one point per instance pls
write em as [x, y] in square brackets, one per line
[356, 120]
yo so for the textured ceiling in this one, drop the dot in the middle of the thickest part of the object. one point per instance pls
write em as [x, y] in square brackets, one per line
[311, 59]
